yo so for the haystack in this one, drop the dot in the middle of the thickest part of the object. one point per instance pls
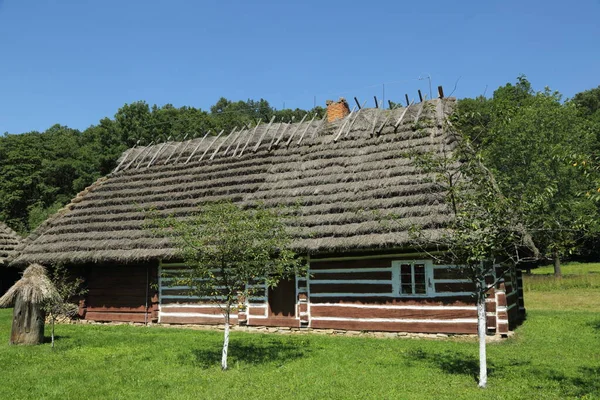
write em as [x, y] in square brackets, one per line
[28, 295]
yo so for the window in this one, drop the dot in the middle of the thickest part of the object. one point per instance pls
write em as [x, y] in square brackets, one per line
[412, 278]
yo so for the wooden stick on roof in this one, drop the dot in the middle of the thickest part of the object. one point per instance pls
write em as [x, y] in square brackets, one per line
[187, 144]
[239, 140]
[263, 134]
[160, 150]
[196, 149]
[295, 130]
[323, 121]
[211, 143]
[346, 120]
[419, 112]
[237, 135]
[306, 130]
[283, 133]
[249, 137]
[126, 156]
[354, 120]
[402, 116]
[378, 132]
[281, 123]
[138, 155]
[176, 148]
[222, 143]
[142, 158]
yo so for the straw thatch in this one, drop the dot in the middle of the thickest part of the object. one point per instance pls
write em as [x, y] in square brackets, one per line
[9, 240]
[354, 184]
[34, 287]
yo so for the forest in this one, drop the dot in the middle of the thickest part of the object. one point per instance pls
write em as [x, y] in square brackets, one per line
[542, 149]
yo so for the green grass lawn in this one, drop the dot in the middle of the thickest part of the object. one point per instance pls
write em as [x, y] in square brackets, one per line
[555, 354]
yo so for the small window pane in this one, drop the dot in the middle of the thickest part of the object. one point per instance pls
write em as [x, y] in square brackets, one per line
[420, 288]
[407, 288]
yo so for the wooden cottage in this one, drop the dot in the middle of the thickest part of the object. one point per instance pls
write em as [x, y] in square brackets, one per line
[358, 194]
[9, 240]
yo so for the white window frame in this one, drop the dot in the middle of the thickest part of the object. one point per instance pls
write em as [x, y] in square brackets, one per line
[396, 278]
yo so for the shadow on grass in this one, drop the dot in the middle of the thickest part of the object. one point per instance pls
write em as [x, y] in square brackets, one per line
[57, 338]
[253, 353]
[451, 362]
[585, 385]
[595, 325]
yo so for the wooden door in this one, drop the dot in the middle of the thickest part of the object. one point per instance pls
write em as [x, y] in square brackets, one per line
[282, 299]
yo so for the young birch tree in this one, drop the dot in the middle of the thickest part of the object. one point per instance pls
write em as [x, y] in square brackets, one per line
[67, 288]
[228, 249]
[482, 233]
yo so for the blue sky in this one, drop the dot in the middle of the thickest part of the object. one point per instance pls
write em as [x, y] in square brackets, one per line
[74, 62]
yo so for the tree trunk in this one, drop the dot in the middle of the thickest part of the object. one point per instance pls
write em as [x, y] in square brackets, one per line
[556, 260]
[28, 323]
[481, 332]
[226, 339]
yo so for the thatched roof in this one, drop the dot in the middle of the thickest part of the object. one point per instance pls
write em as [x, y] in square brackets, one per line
[33, 287]
[9, 240]
[357, 192]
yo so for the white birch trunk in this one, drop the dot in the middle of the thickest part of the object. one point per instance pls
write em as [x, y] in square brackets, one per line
[481, 332]
[226, 339]
[52, 333]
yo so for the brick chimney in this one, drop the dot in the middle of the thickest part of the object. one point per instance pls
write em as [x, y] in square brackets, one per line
[337, 109]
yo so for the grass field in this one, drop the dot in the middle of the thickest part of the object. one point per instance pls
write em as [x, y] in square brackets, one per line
[555, 354]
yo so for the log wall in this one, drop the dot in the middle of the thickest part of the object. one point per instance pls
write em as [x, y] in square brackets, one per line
[120, 293]
[362, 294]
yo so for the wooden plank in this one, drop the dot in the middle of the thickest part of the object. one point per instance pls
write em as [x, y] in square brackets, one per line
[454, 287]
[422, 327]
[352, 275]
[274, 321]
[350, 288]
[397, 313]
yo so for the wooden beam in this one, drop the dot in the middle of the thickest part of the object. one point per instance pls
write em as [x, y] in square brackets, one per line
[295, 130]
[357, 103]
[144, 156]
[176, 148]
[126, 156]
[346, 120]
[263, 135]
[187, 144]
[237, 135]
[306, 130]
[402, 116]
[211, 143]
[283, 133]
[407, 101]
[158, 152]
[420, 96]
[250, 137]
[376, 102]
[323, 121]
[222, 143]
[353, 121]
[138, 155]
[196, 149]
[441, 91]
[239, 141]
[281, 123]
